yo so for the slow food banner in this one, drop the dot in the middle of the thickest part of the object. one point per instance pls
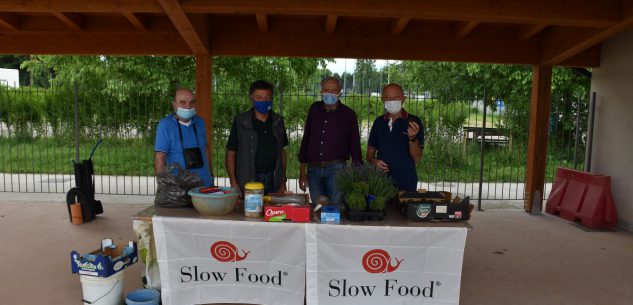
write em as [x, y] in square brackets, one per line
[383, 265]
[216, 261]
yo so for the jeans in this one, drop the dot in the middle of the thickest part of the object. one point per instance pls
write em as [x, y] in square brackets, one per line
[322, 181]
[267, 180]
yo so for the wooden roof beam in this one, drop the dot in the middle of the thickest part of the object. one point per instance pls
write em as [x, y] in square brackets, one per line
[528, 31]
[116, 43]
[72, 20]
[195, 35]
[330, 23]
[463, 29]
[563, 43]
[262, 22]
[139, 21]
[81, 6]
[398, 25]
[586, 13]
[9, 22]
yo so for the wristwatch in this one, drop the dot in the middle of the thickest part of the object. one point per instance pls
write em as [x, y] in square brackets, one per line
[413, 139]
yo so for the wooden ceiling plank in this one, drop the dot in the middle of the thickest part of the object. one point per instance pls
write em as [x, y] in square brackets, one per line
[73, 21]
[528, 31]
[562, 43]
[330, 23]
[463, 29]
[262, 22]
[137, 20]
[10, 21]
[398, 25]
[195, 36]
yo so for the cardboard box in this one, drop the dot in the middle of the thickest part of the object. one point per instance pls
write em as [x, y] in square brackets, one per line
[330, 214]
[434, 206]
[287, 212]
[106, 261]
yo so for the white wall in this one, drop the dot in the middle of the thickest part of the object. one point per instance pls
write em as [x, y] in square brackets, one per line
[10, 77]
[613, 133]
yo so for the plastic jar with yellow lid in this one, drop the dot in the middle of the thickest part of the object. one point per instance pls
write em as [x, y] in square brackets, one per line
[254, 199]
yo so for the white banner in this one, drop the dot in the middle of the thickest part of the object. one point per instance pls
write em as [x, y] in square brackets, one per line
[217, 261]
[351, 265]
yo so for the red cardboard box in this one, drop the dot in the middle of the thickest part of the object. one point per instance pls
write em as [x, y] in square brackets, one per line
[287, 212]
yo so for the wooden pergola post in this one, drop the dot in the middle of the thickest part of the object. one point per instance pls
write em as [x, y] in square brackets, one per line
[204, 100]
[540, 105]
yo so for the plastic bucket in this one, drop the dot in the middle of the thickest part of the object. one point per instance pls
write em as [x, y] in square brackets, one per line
[143, 297]
[102, 290]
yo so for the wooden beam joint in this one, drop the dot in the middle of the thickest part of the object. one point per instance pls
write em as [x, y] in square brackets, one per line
[10, 21]
[262, 22]
[72, 20]
[525, 32]
[139, 21]
[398, 25]
[193, 30]
[330, 23]
[463, 29]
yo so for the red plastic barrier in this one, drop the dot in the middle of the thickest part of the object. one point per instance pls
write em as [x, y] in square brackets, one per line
[584, 197]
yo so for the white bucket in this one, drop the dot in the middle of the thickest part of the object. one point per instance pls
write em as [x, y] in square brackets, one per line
[102, 290]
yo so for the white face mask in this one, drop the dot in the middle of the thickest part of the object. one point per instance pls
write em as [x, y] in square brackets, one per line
[393, 107]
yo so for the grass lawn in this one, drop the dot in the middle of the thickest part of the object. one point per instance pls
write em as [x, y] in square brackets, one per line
[446, 162]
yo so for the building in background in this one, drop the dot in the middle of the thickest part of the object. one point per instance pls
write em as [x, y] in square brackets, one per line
[10, 77]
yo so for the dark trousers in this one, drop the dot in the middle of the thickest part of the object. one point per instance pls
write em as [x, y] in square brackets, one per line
[267, 179]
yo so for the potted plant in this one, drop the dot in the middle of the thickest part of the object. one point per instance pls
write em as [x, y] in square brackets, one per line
[365, 191]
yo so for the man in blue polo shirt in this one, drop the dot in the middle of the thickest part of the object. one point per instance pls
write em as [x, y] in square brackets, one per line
[181, 138]
[396, 140]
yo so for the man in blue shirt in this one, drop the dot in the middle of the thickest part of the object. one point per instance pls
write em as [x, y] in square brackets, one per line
[181, 138]
[396, 140]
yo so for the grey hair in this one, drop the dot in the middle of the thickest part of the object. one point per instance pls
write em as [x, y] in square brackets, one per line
[331, 78]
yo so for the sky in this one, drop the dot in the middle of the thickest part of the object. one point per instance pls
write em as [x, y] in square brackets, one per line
[345, 64]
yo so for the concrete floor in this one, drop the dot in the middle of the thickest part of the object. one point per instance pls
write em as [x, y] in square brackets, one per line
[510, 258]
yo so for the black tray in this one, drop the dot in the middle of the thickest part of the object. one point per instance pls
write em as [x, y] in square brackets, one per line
[365, 215]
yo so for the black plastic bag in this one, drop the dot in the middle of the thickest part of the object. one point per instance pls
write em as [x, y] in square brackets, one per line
[173, 185]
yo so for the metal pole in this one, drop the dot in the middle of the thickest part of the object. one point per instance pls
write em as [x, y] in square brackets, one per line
[76, 96]
[592, 113]
[281, 102]
[577, 134]
[481, 152]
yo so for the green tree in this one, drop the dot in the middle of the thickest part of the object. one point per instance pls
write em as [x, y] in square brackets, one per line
[14, 62]
[367, 77]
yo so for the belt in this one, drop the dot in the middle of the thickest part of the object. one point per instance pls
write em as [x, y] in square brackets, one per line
[326, 163]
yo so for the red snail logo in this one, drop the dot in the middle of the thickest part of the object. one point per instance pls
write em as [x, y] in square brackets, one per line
[379, 261]
[224, 251]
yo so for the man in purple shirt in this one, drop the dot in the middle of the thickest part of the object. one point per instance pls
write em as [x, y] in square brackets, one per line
[330, 139]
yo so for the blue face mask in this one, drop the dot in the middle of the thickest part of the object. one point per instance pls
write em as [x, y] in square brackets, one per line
[263, 107]
[330, 98]
[185, 113]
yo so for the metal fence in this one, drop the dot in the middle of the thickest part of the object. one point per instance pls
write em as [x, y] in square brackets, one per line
[38, 134]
